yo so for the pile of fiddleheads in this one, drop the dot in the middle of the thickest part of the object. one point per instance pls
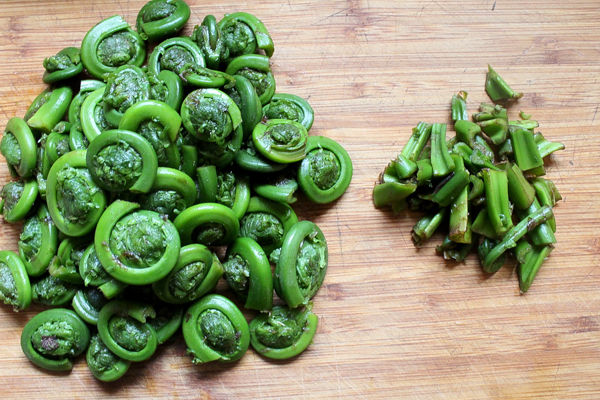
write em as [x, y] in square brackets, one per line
[132, 168]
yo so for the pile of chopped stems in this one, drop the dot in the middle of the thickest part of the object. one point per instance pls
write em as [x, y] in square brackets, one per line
[486, 185]
[142, 181]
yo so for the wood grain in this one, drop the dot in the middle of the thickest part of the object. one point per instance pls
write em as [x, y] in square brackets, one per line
[395, 322]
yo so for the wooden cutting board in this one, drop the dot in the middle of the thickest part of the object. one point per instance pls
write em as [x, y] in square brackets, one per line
[395, 322]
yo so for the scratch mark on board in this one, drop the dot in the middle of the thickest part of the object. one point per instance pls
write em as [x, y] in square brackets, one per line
[595, 112]
[332, 15]
[345, 381]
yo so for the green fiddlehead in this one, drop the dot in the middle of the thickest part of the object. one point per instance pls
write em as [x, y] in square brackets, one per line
[120, 160]
[15, 289]
[19, 147]
[136, 246]
[124, 329]
[75, 202]
[280, 140]
[243, 33]
[103, 363]
[257, 70]
[53, 337]
[301, 264]
[196, 273]
[289, 106]
[215, 329]
[162, 18]
[18, 199]
[248, 273]
[109, 45]
[266, 222]
[64, 65]
[38, 241]
[284, 332]
[326, 172]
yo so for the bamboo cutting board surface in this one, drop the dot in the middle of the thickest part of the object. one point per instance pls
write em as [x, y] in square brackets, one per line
[395, 322]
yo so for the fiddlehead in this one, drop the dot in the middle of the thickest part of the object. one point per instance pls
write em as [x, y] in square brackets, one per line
[284, 332]
[65, 265]
[266, 222]
[103, 363]
[136, 246]
[52, 291]
[125, 86]
[257, 70]
[19, 147]
[248, 274]
[93, 274]
[167, 87]
[280, 140]
[301, 264]
[213, 117]
[210, 115]
[109, 45]
[38, 241]
[243, 33]
[52, 110]
[75, 202]
[120, 160]
[172, 192]
[210, 224]
[245, 97]
[15, 288]
[326, 172]
[215, 329]
[196, 273]
[278, 186]
[18, 199]
[64, 65]
[124, 329]
[174, 54]
[159, 124]
[53, 337]
[209, 38]
[87, 303]
[289, 106]
[162, 18]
